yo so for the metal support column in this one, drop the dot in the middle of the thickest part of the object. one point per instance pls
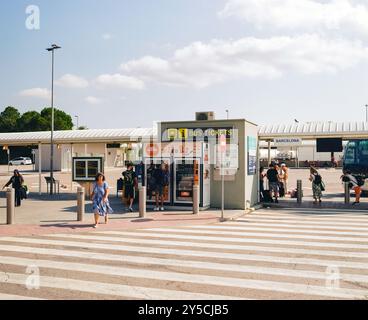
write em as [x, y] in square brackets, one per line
[300, 191]
[10, 206]
[142, 202]
[81, 203]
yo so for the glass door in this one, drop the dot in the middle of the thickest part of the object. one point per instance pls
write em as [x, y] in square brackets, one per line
[186, 174]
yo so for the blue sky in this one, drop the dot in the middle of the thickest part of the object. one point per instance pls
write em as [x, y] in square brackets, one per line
[129, 63]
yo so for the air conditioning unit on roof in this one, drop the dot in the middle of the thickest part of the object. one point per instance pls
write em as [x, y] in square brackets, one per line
[205, 116]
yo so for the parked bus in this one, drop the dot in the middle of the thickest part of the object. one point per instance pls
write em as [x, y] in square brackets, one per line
[356, 159]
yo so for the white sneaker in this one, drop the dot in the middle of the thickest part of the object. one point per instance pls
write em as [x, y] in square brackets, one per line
[162, 209]
[156, 209]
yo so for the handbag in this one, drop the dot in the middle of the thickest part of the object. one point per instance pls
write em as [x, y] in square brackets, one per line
[323, 186]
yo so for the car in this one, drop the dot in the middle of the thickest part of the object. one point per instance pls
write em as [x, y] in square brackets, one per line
[21, 161]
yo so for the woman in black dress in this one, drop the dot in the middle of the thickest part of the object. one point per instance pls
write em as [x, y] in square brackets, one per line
[17, 184]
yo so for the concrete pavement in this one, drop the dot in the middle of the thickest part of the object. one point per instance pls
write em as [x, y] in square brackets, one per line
[278, 254]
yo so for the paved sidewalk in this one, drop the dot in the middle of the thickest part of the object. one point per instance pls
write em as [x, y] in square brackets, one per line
[40, 215]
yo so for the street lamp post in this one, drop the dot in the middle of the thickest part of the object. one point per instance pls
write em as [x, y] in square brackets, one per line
[366, 113]
[77, 117]
[52, 50]
[227, 114]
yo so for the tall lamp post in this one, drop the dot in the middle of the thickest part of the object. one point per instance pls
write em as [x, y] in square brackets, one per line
[52, 50]
[77, 117]
[366, 113]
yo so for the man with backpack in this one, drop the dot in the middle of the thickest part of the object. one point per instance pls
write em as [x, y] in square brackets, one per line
[130, 183]
[355, 183]
[273, 181]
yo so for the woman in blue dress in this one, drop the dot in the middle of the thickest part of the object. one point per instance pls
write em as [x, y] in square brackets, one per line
[100, 198]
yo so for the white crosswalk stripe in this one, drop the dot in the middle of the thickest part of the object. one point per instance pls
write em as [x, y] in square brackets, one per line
[287, 259]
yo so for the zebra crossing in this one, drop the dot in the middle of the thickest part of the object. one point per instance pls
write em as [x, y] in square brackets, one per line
[282, 254]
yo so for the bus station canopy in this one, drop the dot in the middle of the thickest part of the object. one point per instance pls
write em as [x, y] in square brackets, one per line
[77, 136]
[305, 131]
[315, 130]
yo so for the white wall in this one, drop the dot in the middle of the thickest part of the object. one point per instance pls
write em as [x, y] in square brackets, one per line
[45, 158]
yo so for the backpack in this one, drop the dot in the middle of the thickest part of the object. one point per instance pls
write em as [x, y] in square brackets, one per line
[360, 181]
[129, 178]
[318, 179]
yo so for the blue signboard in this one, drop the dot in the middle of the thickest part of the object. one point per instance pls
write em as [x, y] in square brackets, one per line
[252, 155]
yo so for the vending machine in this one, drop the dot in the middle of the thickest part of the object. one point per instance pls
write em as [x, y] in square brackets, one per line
[186, 164]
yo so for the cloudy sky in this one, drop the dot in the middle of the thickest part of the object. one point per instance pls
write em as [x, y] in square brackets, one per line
[128, 63]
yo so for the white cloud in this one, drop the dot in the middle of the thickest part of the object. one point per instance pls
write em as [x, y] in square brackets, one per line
[72, 81]
[93, 100]
[119, 81]
[309, 15]
[40, 93]
[204, 64]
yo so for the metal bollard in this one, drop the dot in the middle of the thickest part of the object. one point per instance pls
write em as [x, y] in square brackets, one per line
[142, 202]
[81, 203]
[196, 199]
[300, 191]
[347, 193]
[10, 206]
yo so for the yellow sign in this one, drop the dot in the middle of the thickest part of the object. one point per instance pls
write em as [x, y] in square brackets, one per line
[172, 134]
[183, 133]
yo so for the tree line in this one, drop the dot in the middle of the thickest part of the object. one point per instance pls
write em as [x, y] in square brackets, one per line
[11, 120]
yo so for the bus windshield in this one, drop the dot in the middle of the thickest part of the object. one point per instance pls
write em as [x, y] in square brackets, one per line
[356, 156]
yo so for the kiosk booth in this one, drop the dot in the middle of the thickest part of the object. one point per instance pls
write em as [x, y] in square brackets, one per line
[186, 165]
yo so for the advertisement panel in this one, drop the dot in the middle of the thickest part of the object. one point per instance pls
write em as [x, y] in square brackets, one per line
[252, 155]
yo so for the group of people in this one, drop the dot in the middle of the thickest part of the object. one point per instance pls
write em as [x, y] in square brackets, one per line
[158, 180]
[100, 194]
[277, 177]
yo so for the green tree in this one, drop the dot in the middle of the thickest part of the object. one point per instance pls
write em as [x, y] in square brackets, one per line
[31, 121]
[8, 119]
[63, 121]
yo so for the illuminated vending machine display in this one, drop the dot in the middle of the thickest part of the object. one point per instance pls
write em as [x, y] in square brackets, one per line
[186, 174]
[192, 167]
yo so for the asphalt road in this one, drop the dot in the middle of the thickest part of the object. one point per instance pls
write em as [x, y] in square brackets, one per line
[271, 254]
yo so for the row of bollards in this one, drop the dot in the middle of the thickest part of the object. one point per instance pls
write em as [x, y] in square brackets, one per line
[300, 192]
[81, 205]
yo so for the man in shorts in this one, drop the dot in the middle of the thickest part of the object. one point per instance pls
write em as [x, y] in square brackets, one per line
[159, 177]
[273, 181]
[353, 185]
[130, 183]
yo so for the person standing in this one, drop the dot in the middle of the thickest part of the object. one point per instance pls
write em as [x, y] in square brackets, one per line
[159, 176]
[100, 198]
[284, 176]
[353, 185]
[273, 179]
[17, 184]
[151, 183]
[317, 185]
[261, 183]
[131, 183]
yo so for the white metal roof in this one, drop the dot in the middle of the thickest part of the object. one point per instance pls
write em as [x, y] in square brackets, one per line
[309, 130]
[77, 136]
[313, 130]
